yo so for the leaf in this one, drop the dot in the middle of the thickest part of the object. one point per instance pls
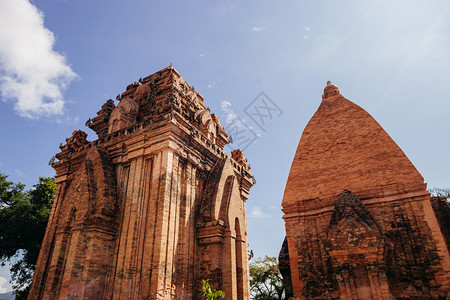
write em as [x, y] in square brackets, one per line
[265, 279]
[23, 220]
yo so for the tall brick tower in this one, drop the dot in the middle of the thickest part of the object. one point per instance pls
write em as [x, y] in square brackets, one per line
[152, 207]
[359, 222]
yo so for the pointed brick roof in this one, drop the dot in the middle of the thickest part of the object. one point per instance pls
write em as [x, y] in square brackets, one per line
[343, 147]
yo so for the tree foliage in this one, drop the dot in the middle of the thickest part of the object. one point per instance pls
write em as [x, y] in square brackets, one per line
[23, 219]
[209, 293]
[441, 192]
[266, 281]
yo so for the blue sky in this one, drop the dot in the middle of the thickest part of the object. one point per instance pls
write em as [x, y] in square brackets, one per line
[60, 60]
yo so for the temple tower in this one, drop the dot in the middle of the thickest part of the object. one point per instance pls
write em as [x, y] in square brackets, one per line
[151, 207]
[359, 222]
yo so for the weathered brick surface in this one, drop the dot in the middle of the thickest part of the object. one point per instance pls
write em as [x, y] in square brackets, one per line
[343, 147]
[151, 207]
[359, 222]
[442, 210]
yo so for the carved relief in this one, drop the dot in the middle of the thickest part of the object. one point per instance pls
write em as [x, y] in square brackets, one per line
[407, 246]
[352, 226]
[77, 140]
[238, 156]
[123, 115]
[100, 123]
[206, 125]
[314, 266]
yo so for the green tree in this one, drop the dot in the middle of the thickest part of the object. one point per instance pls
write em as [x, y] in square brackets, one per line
[23, 219]
[266, 282]
[209, 293]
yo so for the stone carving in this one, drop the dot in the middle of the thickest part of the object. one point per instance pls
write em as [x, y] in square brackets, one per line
[352, 226]
[123, 115]
[77, 140]
[238, 156]
[355, 245]
[100, 123]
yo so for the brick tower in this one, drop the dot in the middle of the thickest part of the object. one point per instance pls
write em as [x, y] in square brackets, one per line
[359, 221]
[151, 207]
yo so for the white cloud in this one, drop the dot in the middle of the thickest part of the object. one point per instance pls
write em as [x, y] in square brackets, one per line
[211, 85]
[306, 35]
[68, 120]
[201, 54]
[257, 29]
[3, 282]
[32, 73]
[223, 10]
[230, 115]
[18, 172]
[256, 212]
